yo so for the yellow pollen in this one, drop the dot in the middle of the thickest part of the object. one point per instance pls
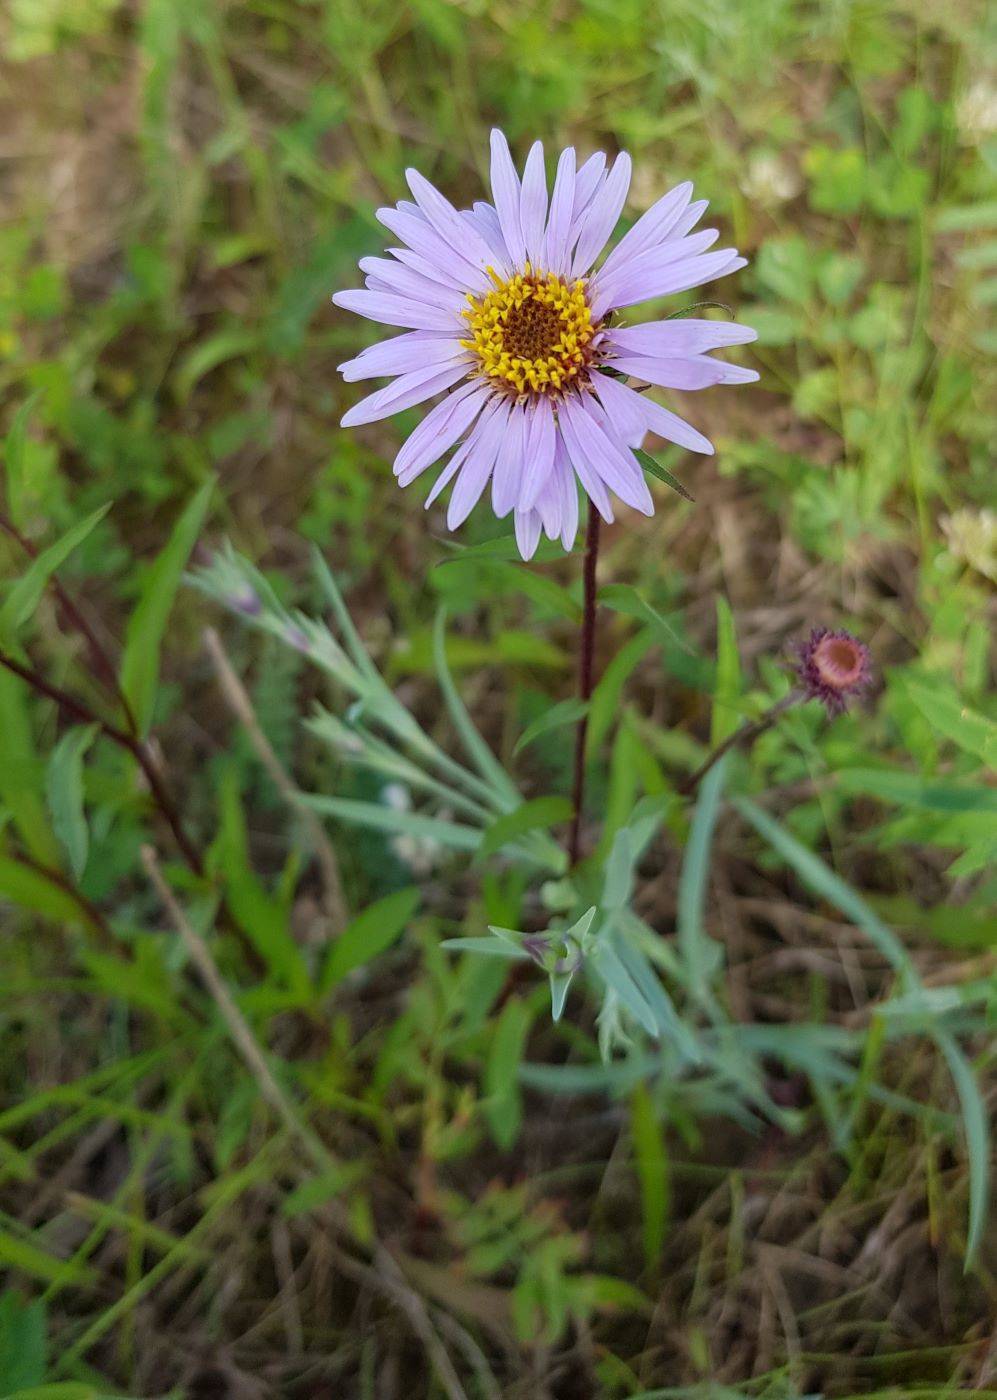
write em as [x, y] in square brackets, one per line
[532, 333]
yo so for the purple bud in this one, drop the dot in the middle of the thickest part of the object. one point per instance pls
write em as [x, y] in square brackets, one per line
[246, 602]
[833, 667]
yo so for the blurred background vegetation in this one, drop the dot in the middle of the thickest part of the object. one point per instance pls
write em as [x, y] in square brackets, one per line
[183, 185]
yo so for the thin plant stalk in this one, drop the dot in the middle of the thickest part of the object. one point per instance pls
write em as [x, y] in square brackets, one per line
[746, 735]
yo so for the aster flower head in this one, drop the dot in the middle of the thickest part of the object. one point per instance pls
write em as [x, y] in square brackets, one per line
[502, 313]
[832, 667]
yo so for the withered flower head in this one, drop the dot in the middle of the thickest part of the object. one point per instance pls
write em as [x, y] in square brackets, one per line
[832, 667]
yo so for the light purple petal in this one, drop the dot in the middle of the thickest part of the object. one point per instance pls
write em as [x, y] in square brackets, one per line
[683, 335]
[568, 485]
[588, 181]
[438, 431]
[396, 278]
[584, 421]
[447, 221]
[601, 217]
[688, 220]
[606, 289]
[625, 411]
[621, 403]
[506, 194]
[539, 453]
[477, 469]
[672, 277]
[579, 458]
[559, 222]
[527, 532]
[460, 456]
[452, 467]
[430, 270]
[402, 353]
[550, 505]
[509, 464]
[393, 310]
[533, 204]
[415, 230]
[692, 372]
[486, 221]
[405, 392]
[651, 228]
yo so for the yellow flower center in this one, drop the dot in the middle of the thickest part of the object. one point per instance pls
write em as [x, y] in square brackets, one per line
[532, 332]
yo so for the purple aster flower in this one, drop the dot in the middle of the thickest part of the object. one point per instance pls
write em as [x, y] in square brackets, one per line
[502, 312]
[832, 667]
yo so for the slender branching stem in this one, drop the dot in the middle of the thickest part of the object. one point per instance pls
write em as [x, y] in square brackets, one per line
[104, 668]
[586, 656]
[76, 710]
[741, 738]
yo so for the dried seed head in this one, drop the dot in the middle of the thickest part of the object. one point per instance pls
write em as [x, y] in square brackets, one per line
[832, 667]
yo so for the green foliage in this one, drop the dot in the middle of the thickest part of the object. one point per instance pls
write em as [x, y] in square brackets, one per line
[770, 1001]
[140, 662]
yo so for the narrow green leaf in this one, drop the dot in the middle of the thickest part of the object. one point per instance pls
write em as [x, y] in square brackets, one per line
[908, 790]
[64, 790]
[541, 812]
[315, 1192]
[27, 1258]
[209, 354]
[371, 933]
[727, 688]
[824, 882]
[478, 751]
[975, 1124]
[559, 984]
[651, 1160]
[502, 576]
[263, 918]
[140, 664]
[565, 712]
[22, 1342]
[15, 460]
[624, 598]
[487, 947]
[382, 818]
[606, 961]
[21, 772]
[652, 465]
[503, 1104]
[502, 548]
[33, 890]
[972, 732]
[22, 599]
[618, 881]
[605, 704]
[697, 949]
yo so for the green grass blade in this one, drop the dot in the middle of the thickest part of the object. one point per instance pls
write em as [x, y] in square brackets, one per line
[140, 663]
[478, 751]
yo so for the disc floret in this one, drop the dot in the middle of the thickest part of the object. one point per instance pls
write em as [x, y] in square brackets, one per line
[532, 333]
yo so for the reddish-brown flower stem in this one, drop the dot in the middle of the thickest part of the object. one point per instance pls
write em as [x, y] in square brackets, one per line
[82, 714]
[103, 666]
[747, 734]
[586, 657]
